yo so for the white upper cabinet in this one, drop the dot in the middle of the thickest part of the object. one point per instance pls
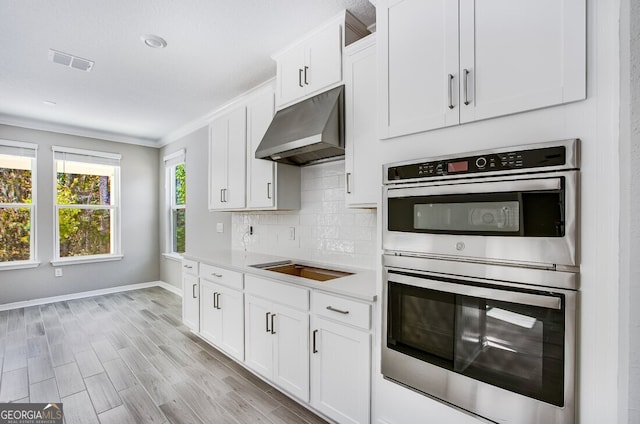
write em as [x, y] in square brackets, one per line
[269, 185]
[363, 172]
[227, 156]
[418, 62]
[315, 62]
[446, 62]
[529, 55]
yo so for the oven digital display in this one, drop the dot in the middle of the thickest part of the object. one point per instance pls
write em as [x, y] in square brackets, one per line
[458, 166]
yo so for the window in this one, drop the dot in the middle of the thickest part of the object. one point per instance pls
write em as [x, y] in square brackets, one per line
[17, 203]
[87, 205]
[176, 200]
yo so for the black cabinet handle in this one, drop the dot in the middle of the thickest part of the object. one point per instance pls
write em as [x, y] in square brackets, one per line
[466, 86]
[306, 81]
[214, 301]
[272, 316]
[314, 341]
[267, 321]
[450, 91]
[340, 311]
[193, 291]
[300, 77]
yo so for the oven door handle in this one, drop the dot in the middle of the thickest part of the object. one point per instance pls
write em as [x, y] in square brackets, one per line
[528, 299]
[540, 184]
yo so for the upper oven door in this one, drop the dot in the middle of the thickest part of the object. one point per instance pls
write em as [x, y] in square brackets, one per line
[526, 219]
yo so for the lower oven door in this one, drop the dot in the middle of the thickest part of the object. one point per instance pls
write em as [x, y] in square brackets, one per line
[506, 354]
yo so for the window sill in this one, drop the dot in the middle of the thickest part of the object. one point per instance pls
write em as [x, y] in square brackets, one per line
[173, 256]
[6, 266]
[75, 260]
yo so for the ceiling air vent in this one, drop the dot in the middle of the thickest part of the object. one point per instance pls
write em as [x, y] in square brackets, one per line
[70, 60]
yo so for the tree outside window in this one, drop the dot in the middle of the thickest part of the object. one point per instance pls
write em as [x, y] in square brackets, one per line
[17, 193]
[178, 208]
[87, 204]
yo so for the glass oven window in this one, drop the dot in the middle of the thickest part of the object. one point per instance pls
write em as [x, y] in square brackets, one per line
[523, 214]
[516, 347]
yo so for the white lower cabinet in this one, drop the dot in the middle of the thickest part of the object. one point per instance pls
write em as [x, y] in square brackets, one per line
[277, 334]
[190, 295]
[222, 317]
[340, 358]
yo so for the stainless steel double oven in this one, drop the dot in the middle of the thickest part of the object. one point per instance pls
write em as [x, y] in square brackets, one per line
[481, 279]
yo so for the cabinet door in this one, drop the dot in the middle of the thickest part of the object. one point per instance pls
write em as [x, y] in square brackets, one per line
[230, 305]
[291, 75]
[323, 59]
[418, 65]
[258, 340]
[260, 172]
[528, 56]
[362, 166]
[340, 371]
[218, 154]
[236, 160]
[190, 302]
[210, 316]
[291, 351]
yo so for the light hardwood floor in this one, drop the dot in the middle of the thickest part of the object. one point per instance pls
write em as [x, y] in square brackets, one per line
[127, 358]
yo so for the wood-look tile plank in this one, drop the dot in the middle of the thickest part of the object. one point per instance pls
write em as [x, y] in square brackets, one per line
[157, 387]
[119, 415]
[282, 415]
[35, 329]
[204, 405]
[44, 391]
[295, 407]
[78, 409]
[88, 363]
[105, 351]
[55, 335]
[64, 313]
[212, 385]
[145, 346]
[141, 406]
[77, 341]
[32, 314]
[242, 410]
[177, 412]
[176, 355]
[69, 379]
[118, 339]
[15, 320]
[14, 385]
[259, 399]
[102, 393]
[4, 315]
[15, 357]
[40, 368]
[119, 374]
[37, 346]
[134, 359]
[61, 354]
[213, 365]
[166, 368]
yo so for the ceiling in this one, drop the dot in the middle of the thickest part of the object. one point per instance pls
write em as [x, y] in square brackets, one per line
[216, 50]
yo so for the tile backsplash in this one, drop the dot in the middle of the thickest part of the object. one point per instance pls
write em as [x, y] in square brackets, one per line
[323, 230]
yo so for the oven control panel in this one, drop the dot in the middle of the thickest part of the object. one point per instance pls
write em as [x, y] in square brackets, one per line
[503, 161]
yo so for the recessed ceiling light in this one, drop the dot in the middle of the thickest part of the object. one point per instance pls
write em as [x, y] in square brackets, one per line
[153, 41]
[49, 103]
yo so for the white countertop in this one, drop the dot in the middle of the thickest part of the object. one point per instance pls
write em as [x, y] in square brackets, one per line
[360, 285]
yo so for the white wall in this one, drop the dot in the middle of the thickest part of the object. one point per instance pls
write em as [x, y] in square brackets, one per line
[325, 230]
[629, 401]
[139, 186]
[201, 235]
[595, 122]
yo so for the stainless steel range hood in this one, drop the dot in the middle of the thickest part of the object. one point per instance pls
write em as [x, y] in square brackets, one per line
[307, 131]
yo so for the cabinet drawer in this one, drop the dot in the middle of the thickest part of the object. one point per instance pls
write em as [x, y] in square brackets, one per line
[294, 297]
[340, 309]
[189, 267]
[222, 276]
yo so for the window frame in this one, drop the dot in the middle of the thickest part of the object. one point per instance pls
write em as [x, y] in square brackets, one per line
[171, 161]
[32, 262]
[92, 157]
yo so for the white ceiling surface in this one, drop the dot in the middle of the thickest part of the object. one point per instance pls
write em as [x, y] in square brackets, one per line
[217, 49]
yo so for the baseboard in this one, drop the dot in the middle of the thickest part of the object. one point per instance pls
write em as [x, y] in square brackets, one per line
[80, 295]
